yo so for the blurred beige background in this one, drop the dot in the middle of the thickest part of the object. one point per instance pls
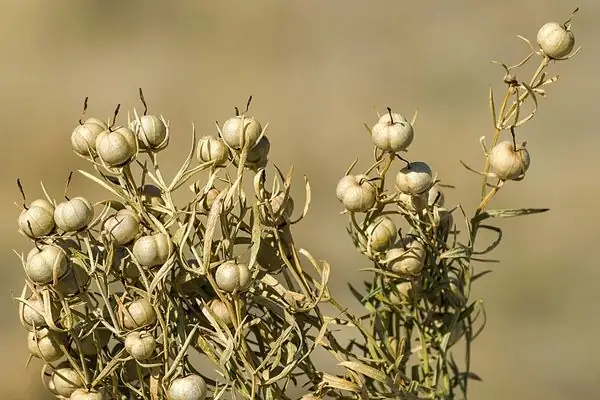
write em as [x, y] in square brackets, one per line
[317, 71]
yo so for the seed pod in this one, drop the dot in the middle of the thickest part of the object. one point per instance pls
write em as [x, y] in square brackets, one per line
[66, 380]
[151, 132]
[392, 133]
[403, 292]
[231, 276]
[415, 179]
[258, 156]
[45, 344]
[555, 40]
[117, 148]
[83, 138]
[191, 387]
[140, 345]
[238, 130]
[212, 149]
[122, 227]
[407, 258]
[73, 215]
[153, 249]
[38, 219]
[34, 313]
[84, 394]
[43, 264]
[151, 196]
[139, 313]
[282, 208]
[381, 233]
[220, 310]
[356, 193]
[508, 164]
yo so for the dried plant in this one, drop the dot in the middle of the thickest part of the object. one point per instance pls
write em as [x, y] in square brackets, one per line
[140, 297]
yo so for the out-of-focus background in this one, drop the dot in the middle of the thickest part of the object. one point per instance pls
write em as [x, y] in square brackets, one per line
[319, 70]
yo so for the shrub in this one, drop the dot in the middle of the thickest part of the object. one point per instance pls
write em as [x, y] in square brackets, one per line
[120, 293]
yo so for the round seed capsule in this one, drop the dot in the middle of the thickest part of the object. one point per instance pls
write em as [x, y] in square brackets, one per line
[212, 149]
[356, 193]
[153, 249]
[66, 380]
[392, 133]
[42, 264]
[139, 313]
[117, 148]
[191, 387]
[555, 40]
[151, 132]
[73, 215]
[122, 227]
[83, 138]
[38, 219]
[507, 163]
[140, 345]
[382, 233]
[231, 276]
[45, 344]
[408, 258]
[415, 179]
[238, 130]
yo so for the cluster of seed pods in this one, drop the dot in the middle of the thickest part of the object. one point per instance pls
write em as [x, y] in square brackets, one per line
[119, 292]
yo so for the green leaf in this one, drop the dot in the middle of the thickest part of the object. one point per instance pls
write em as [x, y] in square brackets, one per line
[507, 213]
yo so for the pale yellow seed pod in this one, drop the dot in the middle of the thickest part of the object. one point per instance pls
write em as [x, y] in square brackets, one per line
[220, 310]
[83, 138]
[73, 215]
[508, 164]
[84, 394]
[38, 219]
[258, 156]
[139, 313]
[232, 276]
[356, 193]
[237, 130]
[407, 258]
[414, 179]
[66, 380]
[140, 345]
[212, 149]
[555, 40]
[34, 313]
[152, 130]
[45, 344]
[392, 133]
[382, 233]
[41, 264]
[153, 249]
[190, 387]
[122, 227]
[117, 148]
